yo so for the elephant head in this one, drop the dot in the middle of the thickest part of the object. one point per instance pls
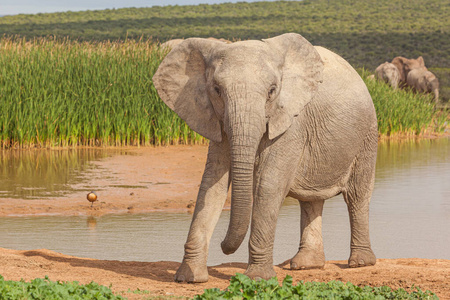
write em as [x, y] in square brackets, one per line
[170, 44]
[242, 92]
[405, 65]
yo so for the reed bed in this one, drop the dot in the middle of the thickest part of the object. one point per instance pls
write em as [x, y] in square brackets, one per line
[60, 93]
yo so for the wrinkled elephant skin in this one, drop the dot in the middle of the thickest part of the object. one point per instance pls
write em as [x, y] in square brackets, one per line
[284, 118]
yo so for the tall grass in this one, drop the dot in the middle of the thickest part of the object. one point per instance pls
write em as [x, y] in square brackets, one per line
[402, 112]
[65, 93]
[59, 93]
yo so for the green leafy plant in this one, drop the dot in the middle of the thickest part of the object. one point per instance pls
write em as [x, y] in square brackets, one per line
[242, 287]
[46, 289]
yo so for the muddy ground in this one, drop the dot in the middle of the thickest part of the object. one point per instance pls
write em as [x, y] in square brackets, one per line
[167, 179]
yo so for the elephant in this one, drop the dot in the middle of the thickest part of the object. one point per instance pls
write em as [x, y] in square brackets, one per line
[405, 65]
[284, 118]
[171, 43]
[388, 73]
[423, 81]
[220, 40]
[175, 42]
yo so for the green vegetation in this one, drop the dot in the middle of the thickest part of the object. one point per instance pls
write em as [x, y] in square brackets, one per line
[242, 287]
[67, 93]
[364, 32]
[84, 78]
[45, 289]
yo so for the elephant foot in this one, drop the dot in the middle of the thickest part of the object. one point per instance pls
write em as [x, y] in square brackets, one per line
[192, 273]
[259, 272]
[308, 259]
[361, 258]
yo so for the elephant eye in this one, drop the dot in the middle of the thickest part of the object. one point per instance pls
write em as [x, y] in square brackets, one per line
[272, 91]
[217, 89]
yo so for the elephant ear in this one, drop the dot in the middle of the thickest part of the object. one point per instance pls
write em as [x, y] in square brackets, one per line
[301, 75]
[399, 62]
[181, 83]
[421, 61]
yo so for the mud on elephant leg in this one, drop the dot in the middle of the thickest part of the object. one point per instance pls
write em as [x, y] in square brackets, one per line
[357, 196]
[310, 254]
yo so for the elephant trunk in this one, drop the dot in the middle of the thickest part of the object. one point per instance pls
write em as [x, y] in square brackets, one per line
[436, 96]
[435, 89]
[244, 130]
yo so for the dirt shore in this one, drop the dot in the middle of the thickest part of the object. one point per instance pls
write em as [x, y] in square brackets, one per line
[157, 277]
[167, 179]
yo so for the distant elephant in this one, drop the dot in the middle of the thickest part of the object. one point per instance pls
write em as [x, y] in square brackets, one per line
[284, 118]
[405, 65]
[220, 40]
[423, 81]
[388, 73]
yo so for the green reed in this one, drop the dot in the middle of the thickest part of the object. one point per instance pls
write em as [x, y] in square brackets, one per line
[65, 93]
[402, 112]
[59, 93]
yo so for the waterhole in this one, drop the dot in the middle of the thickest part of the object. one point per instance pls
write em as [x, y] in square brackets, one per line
[409, 214]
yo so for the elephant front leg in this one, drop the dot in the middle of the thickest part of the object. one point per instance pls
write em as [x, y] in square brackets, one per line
[210, 200]
[262, 236]
[310, 254]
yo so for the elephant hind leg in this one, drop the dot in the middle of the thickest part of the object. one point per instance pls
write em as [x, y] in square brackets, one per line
[310, 254]
[357, 196]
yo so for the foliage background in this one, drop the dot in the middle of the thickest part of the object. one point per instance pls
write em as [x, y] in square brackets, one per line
[83, 78]
[365, 32]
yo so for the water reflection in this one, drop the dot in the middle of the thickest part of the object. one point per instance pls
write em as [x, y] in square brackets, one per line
[410, 217]
[410, 211]
[91, 222]
[44, 173]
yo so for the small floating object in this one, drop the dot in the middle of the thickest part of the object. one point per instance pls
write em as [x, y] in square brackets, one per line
[92, 197]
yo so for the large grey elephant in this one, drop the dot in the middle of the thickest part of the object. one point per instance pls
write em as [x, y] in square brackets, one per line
[170, 44]
[388, 73]
[423, 81]
[175, 42]
[405, 65]
[284, 118]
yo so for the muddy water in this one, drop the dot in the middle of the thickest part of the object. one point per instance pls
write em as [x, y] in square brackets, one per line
[410, 217]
